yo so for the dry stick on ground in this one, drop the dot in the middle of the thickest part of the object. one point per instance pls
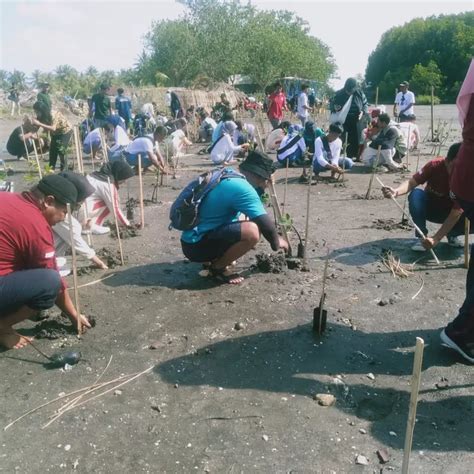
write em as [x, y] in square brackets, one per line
[410, 220]
[467, 229]
[306, 230]
[323, 296]
[344, 159]
[277, 211]
[140, 182]
[93, 282]
[115, 387]
[117, 229]
[374, 170]
[74, 271]
[415, 388]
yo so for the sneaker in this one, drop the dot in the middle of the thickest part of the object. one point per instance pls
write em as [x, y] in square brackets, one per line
[465, 349]
[99, 229]
[418, 247]
[456, 242]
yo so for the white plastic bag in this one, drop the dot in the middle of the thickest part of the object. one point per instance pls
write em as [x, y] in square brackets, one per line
[340, 117]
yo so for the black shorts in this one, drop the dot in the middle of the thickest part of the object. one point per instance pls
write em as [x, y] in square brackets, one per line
[214, 244]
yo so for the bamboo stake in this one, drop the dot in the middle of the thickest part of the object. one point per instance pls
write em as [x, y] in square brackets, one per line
[374, 169]
[40, 173]
[286, 184]
[376, 96]
[140, 181]
[415, 388]
[408, 148]
[323, 296]
[411, 221]
[432, 113]
[467, 229]
[344, 156]
[304, 266]
[74, 271]
[76, 146]
[277, 210]
[103, 142]
[117, 229]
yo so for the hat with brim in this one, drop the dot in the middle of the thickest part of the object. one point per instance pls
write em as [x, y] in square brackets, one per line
[259, 164]
[59, 187]
[404, 84]
[83, 187]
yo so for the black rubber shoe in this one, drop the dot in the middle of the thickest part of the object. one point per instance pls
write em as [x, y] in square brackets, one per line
[466, 349]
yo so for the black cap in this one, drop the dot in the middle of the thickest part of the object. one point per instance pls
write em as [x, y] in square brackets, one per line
[258, 163]
[83, 187]
[404, 84]
[59, 187]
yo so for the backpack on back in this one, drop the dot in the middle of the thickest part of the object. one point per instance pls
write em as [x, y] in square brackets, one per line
[184, 213]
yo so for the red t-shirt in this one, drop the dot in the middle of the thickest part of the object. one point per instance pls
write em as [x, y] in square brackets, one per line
[277, 102]
[436, 177]
[26, 238]
[462, 177]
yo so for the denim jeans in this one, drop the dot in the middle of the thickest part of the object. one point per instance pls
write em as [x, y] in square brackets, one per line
[421, 212]
[345, 163]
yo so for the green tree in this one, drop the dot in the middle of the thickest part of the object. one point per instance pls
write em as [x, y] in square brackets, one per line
[424, 77]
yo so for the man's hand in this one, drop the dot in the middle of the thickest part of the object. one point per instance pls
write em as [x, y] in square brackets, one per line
[389, 192]
[429, 243]
[245, 146]
[284, 245]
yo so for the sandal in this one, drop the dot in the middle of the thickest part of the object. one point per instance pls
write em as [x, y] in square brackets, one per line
[219, 275]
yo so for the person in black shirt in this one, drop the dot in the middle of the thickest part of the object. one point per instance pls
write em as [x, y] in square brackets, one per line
[100, 106]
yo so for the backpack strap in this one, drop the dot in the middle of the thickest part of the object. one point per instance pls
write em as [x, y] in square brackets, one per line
[210, 148]
[290, 144]
[326, 147]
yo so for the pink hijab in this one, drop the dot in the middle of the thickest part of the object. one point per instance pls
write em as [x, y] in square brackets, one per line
[464, 97]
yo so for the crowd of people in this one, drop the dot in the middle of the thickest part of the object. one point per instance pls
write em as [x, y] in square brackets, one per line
[220, 214]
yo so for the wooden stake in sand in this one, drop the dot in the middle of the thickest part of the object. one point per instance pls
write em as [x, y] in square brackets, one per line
[140, 182]
[467, 230]
[432, 113]
[74, 271]
[117, 229]
[415, 388]
[103, 142]
[410, 220]
[304, 266]
[286, 184]
[277, 210]
[376, 96]
[374, 169]
[38, 164]
[323, 295]
[80, 166]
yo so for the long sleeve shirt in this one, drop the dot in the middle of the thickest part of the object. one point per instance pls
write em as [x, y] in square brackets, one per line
[386, 138]
[320, 154]
[62, 239]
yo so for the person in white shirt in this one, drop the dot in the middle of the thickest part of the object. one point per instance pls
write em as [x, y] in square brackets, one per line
[168, 98]
[404, 101]
[121, 141]
[61, 232]
[148, 109]
[101, 203]
[145, 147]
[174, 145]
[275, 137]
[92, 141]
[292, 146]
[207, 127]
[327, 153]
[303, 108]
[223, 150]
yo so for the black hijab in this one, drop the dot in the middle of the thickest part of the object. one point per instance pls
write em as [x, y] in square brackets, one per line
[118, 170]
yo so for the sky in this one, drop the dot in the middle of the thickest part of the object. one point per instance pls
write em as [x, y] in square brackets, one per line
[108, 34]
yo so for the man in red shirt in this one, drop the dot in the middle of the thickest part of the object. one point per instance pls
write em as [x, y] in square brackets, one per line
[29, 279]
[459, 334]
[433, 203]
[276, 105]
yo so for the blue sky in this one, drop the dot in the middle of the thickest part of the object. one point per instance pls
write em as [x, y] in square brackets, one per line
[108, 34]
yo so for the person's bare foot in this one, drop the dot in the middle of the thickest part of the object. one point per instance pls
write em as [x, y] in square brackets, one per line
[12, 340]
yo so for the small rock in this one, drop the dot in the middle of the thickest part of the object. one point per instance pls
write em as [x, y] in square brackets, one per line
[156, 408]
[154, 345]
[325, 399]
[75, 464]
[362, 460]
[118, 392]
[362, 431]
[392, 433]
[67, 447]
[175, 385]
[239, 326]
[371, 376]
[265, 437]
[383, 302]
[383, 455]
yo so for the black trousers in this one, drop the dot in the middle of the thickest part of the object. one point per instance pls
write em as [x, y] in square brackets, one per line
[350, 127]
[37, 289]
[58, 148]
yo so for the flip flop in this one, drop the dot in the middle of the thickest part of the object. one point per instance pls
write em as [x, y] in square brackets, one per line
[219, 276]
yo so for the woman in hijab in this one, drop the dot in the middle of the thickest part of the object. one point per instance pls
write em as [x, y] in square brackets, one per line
[101, 203]
[61, 231]
[223, 150]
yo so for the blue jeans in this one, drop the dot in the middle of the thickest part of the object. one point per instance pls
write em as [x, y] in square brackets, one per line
[421, 212]
[346, 163]
[132, 160]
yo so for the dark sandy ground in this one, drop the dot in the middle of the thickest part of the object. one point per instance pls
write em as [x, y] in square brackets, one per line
[221, 399]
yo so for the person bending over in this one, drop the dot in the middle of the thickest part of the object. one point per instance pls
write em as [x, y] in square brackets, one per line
[220, 238]
[29, 278]
[433, 203]
[145, 147]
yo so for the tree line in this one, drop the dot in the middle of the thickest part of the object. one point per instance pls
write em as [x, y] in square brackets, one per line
[426, 52]
[213, 41]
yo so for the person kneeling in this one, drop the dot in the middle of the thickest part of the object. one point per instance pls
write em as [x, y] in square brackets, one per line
[220, 237]
[29, 278]
[327, 153]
